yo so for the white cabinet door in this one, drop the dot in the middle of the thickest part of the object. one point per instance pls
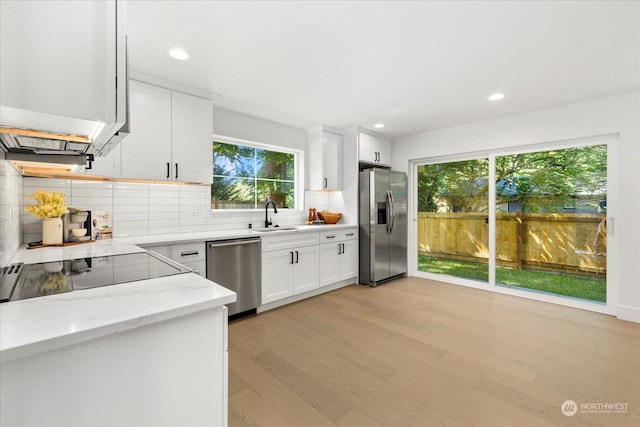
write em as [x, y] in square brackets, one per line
[383, 148]
[171, 136]
[146, 152]
[349, 260]
[59, 58]
[325, 160]
[329, 268]
[366, 148]
[331, 161]
[192, 137]
[108, 165]
[374, 150]
[305, 269]
[277, 275]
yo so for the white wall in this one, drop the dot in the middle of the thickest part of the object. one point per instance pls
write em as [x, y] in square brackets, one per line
[241, 126]
[10, 210]
[618, 114]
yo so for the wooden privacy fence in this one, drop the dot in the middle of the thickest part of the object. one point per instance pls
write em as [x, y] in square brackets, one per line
[570, 243]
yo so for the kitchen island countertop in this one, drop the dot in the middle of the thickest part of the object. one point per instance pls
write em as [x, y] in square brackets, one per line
[32, 326]
[36, 325]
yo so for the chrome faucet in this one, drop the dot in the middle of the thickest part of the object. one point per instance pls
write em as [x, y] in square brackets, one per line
[267, 222]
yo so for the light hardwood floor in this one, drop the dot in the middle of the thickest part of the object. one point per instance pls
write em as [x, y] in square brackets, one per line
[415, 352]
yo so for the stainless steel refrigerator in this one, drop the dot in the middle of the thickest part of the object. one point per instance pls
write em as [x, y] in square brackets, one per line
[383, 225]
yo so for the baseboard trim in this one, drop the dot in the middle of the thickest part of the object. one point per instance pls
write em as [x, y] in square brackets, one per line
[300, 297]
[630, 314]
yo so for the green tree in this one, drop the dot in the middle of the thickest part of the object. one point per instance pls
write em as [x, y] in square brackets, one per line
[462, 184]
[543, 181]
[548, 181]
[248, 176]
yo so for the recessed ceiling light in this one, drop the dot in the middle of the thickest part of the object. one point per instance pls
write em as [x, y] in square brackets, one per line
[179, 54]
[496, 97]
[378, 125]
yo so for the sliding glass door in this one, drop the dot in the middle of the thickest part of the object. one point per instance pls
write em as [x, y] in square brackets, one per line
[550, 221]
[547, 220]
[453, 232]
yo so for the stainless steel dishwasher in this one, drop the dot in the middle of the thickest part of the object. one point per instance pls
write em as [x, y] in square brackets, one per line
[236, 264]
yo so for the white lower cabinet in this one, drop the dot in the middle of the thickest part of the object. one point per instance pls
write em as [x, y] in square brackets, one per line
[349, 259]
[289, 265]
[305, 269]
[289, 272]
[329, 269]
[170, 372]
[338, 256]
[277, 275]
[192, 255]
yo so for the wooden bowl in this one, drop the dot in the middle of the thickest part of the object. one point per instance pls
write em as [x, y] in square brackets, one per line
[330, 217]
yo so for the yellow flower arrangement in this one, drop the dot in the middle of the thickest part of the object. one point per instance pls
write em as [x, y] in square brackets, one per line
[48, 204]
[52, 282]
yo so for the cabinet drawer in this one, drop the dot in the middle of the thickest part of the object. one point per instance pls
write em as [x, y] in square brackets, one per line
[330, 236]
[199, 267]
[188, 252]
[288, 241]
[349, 234]
[338, 235]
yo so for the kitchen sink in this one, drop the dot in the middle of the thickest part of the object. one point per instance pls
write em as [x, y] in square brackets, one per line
[269, 230]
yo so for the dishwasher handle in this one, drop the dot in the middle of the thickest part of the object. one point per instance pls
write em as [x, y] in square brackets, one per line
[234, 243]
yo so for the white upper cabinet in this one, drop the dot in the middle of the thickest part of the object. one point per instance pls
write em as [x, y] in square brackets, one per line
[171, 135]
[325, 159]
[59, 67]
[108, 165]
[146, 152]
[374, 149]
[191, 138]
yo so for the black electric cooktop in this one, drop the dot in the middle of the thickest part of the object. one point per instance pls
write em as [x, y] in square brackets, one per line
[22, 281]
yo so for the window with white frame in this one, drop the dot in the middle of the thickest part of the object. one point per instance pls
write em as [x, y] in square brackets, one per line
[246, 177]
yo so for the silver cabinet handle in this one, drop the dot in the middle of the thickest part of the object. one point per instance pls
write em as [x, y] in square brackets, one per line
[297, 257]
[330, 237]
[176, 171]
[291, 253]
[339, 249]
[351, 234]
[325, 183]
[168, 172]
[191, 253]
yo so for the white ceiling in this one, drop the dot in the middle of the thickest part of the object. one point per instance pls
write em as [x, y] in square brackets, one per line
[415, 66]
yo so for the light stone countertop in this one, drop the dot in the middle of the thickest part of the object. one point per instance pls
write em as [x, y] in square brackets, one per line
[36, 325]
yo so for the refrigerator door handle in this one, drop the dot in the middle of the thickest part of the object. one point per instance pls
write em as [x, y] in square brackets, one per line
[388, 203]
[393, 212]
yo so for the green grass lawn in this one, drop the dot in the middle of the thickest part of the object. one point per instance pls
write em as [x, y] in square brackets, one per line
[589, 288]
